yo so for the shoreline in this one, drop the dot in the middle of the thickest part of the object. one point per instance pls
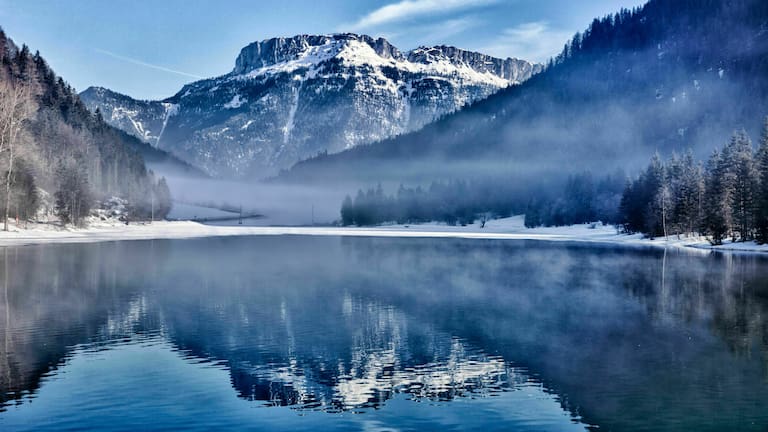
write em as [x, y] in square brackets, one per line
[502, 229]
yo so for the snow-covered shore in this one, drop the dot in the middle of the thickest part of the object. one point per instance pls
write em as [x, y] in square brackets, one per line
[501, 229]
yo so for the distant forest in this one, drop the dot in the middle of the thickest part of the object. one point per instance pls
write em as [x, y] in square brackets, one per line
[726, 197]
[459, 202]
[58, 156]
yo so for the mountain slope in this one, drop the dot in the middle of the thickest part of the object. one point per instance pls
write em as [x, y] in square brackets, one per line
[61, 127]
[63, 144]
[668, 76]
[291, 98]
[142, 119]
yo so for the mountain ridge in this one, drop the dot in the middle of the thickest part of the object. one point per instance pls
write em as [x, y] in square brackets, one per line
[287, 99]
[668, 76]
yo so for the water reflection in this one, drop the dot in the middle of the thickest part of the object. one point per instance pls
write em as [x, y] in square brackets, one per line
[622, 339]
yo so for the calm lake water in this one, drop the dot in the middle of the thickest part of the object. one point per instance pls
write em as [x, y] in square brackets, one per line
[326, 333]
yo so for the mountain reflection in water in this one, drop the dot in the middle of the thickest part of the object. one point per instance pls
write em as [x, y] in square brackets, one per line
[623, 339]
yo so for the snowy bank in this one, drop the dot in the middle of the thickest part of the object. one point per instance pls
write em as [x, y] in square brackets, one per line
[501, 229]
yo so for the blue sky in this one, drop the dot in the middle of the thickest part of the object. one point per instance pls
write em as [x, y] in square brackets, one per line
[150, 48]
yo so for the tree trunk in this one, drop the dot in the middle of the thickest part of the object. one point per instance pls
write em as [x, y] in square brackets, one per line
[8, 188]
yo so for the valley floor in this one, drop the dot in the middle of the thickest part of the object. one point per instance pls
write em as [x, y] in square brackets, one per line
[501, 229]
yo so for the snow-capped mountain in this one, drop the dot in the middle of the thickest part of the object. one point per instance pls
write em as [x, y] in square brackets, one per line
[291, 98]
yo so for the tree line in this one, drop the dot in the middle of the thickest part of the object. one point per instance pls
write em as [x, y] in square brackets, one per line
[725, 198]
[581, 200]
[454, 202]
[460, 202]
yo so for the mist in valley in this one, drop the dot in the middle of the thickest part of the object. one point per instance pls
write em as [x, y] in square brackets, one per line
[276, 204]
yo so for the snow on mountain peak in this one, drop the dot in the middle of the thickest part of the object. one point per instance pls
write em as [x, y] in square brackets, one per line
[286, 55]
[289, 98]
[305, 50]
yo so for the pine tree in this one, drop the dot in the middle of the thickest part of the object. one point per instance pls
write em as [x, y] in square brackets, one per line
[608, 193]
[163, 202]
[717, 211]
[630, 213]
[533, 215]
[761, 218]
[362, 209]
[347, 212]
[658, 198]
[674, 191]
[579, 199]
[73, 198]
[743, 184]
[688, 190]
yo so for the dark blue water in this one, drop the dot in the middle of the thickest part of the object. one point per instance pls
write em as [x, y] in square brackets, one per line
[313, 333]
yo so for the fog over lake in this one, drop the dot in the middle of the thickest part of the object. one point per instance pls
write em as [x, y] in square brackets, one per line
[308, 333]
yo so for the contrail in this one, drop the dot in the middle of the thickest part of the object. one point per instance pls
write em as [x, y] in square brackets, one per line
[141, 63]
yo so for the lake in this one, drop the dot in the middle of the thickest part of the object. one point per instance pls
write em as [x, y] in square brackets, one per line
[380, 334]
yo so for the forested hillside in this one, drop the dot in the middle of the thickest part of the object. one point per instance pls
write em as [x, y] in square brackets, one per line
[55, 153]
[672, 75]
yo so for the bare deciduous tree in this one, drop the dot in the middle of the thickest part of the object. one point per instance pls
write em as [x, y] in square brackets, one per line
[16, 107]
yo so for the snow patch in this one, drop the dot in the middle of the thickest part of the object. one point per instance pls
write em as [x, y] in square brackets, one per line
[170, 110]
[502, 229]
[311, 57]
[236, 102]
[288, 128]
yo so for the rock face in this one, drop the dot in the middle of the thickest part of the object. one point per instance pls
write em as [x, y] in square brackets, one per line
[290, 98]
[142, 119]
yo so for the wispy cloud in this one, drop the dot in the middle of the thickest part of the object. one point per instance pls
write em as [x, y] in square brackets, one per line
[437, 33]
[533, 41]
[145, 64]
[411, 9]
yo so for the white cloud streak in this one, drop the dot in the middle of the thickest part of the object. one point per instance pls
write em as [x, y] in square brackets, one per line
[533, 41]
[410, 9]
[437, 33]
[145, 64]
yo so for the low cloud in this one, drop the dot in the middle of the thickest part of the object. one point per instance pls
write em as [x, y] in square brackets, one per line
[411, 9]
[437, 33]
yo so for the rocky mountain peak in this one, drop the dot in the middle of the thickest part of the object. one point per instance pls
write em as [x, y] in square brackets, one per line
[289, 98]
[273, 51]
